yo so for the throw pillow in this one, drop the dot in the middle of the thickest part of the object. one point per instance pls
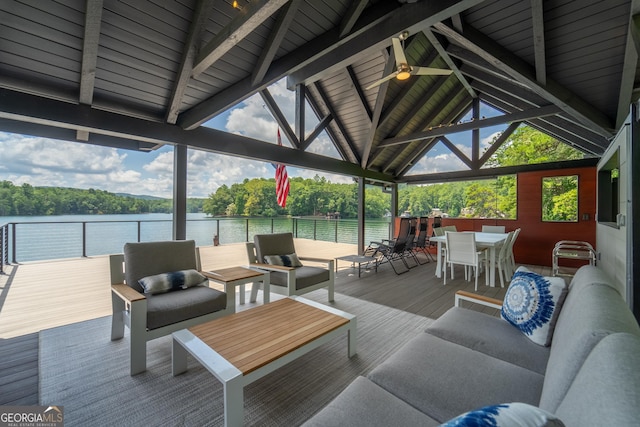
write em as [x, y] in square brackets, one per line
[290, 260]
[507, 415]
[173, 281]
[532, 304]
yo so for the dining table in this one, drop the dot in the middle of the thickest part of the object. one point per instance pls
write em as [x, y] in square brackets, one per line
[490, 241]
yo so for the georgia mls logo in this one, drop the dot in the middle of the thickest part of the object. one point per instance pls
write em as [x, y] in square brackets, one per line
[31, 416]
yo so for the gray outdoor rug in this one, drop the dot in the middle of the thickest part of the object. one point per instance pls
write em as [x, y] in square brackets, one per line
[81, 369]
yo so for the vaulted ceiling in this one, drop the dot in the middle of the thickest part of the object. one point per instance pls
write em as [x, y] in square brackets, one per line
[145, 73]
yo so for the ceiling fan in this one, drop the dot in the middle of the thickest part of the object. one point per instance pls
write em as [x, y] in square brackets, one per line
[404, 70]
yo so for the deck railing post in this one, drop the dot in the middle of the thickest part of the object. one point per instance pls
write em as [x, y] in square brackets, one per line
[247, 230]
[2, 250]
[315, 229]
[271, 225]
[335, 240]
[13, 239]
[139, 231]
[84, 239]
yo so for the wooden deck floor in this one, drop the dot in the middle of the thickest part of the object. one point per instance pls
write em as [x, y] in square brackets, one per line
[41, 295]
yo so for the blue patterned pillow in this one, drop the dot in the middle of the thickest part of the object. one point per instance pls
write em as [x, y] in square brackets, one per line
[532, 304]
[506, 415]
[176, 280]
[290, 260]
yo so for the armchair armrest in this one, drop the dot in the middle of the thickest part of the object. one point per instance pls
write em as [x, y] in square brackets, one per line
[478, 299]
[127, 293]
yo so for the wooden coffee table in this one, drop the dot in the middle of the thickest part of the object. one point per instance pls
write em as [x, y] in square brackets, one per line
[240, 348]
[239, 276]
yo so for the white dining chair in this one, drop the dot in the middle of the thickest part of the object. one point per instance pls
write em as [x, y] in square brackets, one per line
[512, 259]
[462, 250]
[503, 260]
[493, 228]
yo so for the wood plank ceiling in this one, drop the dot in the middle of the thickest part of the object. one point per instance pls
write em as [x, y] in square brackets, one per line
[142, 74]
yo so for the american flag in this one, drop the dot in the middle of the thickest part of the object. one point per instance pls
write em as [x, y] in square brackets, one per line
[282, 180]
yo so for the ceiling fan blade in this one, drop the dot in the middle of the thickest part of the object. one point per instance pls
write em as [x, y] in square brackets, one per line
[398, 52]
[426, 71]
[382, 80]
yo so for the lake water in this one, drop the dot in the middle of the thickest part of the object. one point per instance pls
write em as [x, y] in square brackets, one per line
[69, 236]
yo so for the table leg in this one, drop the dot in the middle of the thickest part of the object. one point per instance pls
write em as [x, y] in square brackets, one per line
[352, 337]
[492, 272]
[178, 358]
[242, 294]
[234, 402]
[439, 261]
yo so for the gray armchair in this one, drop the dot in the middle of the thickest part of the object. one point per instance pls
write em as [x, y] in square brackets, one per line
[151, 316]
[289, 280]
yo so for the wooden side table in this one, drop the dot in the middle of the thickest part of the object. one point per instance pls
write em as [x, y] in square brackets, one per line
[239, 276]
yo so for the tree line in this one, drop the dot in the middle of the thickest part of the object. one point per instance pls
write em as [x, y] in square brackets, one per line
[27, 200]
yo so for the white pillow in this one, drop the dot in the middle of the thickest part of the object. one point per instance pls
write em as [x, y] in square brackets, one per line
[532, 304]
[173, 281]
[290, 260]
[506, 415]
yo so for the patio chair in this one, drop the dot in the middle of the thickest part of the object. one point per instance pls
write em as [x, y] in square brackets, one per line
[396, 249]
[493, 228]
[422, 242]
[152, 311]
[277, 254]
[462, 250]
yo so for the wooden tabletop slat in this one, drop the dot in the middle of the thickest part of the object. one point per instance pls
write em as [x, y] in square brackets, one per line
[230, 274]
[254, 338]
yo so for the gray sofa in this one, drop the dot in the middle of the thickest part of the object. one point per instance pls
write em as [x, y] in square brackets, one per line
[589, 376]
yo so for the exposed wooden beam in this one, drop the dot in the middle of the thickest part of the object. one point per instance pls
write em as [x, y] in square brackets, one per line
[44, 112]
[315, 106]
[475, 132]
[557, 129]
[457, 152]
[452, 65]
[277, 114]
[488, 173]
[322, 125]
[248, 19]
[299, 113]
[269, 50]
[377, 109]
[423, 147]
[498, 142]
[281, 67]
[92, 23]
[336, 120]
[201, 13]
[627, 80]
[456, 20]
[427, 121]
[355, 85]
[351, 17]
[548, 110]
[410, 17]
[507, 62]
[539, 50]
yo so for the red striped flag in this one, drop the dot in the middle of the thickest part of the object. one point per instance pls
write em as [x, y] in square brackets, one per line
[282, 180]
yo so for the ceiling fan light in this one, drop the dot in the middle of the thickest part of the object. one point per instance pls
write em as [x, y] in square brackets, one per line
[403, 75]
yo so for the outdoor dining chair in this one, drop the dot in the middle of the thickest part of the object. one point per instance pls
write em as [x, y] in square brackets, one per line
[462, 250]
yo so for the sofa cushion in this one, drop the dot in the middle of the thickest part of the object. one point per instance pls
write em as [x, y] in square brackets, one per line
[172, 307]
[532, 304]
[590, 312]
[606, 390]
[490, 335]
[364, 404]
[290, 260]
[305, 276]
[444, 379]
[172, 281]
[506, 415]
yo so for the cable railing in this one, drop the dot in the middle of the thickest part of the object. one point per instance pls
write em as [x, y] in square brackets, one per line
[45, 240]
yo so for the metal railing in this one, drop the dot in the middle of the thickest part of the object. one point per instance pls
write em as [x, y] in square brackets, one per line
[41, 240]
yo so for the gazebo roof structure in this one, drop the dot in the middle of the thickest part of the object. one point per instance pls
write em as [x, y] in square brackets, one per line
[142, 74]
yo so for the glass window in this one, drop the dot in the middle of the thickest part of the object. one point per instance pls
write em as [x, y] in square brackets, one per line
[560, 198]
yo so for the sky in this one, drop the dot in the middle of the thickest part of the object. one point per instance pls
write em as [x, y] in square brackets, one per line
[46, 162]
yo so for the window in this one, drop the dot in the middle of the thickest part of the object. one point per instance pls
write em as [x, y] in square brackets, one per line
[608, 191]
[560, 198]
